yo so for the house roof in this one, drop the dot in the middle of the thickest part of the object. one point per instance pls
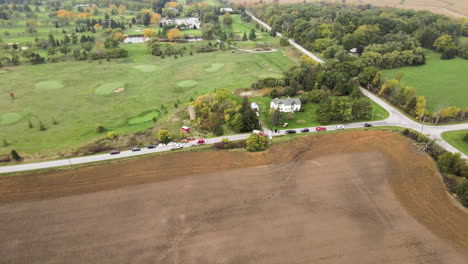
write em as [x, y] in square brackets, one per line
[226, 9]
[254, 105]
[287, 101]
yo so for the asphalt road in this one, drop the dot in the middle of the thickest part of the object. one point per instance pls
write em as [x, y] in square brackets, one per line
[396, 118]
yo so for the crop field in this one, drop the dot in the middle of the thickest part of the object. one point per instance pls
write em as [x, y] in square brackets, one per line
[455, 138]
[455, 8]
[350, 197]
[441, 82]
[73, 98]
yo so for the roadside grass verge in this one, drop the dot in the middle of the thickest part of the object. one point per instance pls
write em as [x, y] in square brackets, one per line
[455, 138]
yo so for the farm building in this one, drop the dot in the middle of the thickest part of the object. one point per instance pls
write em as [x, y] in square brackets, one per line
[286, 105]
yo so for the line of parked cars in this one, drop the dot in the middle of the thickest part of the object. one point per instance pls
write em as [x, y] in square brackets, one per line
[173, 146]
[318, 129]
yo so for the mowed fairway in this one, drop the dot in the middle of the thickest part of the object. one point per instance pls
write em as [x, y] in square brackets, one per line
[441, 82]
[353, 197]
[80, 96]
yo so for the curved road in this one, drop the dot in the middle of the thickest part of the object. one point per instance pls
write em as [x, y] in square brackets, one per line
[396, 118]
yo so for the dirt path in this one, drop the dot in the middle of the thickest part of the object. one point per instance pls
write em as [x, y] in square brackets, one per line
[357, 197]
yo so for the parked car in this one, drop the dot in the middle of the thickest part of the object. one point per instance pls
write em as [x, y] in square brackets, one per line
[151, 146]
[320, 129]
[200, 141]
[368, 125]
[161, 145]
[114, 152]
[171, 144]
[290, 131]
[259, 132]
[339, 127]
[136, 149]
[177, 146]
[304, 130]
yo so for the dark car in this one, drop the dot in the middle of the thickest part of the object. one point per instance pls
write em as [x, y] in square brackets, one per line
[290, 131]
[368, 125]
[113, 152]
[136, 149]
[304, 130]
[151, 146]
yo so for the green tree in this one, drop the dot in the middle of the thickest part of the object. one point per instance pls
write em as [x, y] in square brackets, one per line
[256, 142]
[448, 162]
[465, 138]
[41, 126]
[252, 35]
[227, 19]
[164, 136]
[15, 155]
[444, 43]
[275, 118]
[244, 37]
[30, 124]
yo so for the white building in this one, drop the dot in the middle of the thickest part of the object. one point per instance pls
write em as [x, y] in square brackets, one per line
[255, 107]
[286, 105]
[188, 22]
[226, 9]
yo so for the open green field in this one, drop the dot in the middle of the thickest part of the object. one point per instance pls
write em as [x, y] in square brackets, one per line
[79, 96]
[307, 118]
[455, 138]
[441, 82]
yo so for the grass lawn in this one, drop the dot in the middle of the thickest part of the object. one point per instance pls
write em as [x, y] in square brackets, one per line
[308, 117]
[79, 95]
[441, 82]
[455, 138]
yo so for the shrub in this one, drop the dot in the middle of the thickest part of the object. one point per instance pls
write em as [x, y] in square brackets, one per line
[111, 135]
[218, 130]
[5, 158]
[41, 126]
[164, 136]
[256, 142]
[464, 199]
[5, 143]
[100, 129]
[465, 138]
[15, 155]
[405, 132]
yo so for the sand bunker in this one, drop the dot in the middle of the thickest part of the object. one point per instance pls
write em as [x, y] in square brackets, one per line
[119, 90]
[187, 84]
[49, 85]
[108, 88]
[145, 68]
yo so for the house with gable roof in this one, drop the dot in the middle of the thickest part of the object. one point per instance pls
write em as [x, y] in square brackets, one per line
[286, 105]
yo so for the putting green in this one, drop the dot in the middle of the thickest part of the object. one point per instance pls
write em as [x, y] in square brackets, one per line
[143, 117]
[271, 75]
[108, 88]
[187, 84]
[215, 67]
[9, 118]
[145, 68]
[49, 85]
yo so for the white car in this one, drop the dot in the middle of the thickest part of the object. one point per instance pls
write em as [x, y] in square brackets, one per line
[339, 127]
[161, 145]
[171, 144]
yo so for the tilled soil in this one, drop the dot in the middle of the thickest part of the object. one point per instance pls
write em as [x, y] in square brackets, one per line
[355, 197]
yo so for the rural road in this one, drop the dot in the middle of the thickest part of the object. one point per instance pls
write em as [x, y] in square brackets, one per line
[396, 119]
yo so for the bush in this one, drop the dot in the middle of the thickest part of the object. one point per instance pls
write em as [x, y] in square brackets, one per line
[465, 138]
[5, 158]
[94, 148]
[218, 130]
[111, 135]
[100, 129]
[226, 144]
[405, 132]
[42, 127]
[15, 155]
[256, 142]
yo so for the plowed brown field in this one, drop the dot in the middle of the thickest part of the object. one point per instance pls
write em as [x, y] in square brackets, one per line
[355, 197]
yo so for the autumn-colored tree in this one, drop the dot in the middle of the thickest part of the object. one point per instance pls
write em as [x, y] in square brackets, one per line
[174, 33]
[119, 36]
[84, 15]
[420, 107]
[97, 26]
[450, 112]
[155, 17]
[444, 43]
[112, 7]
[33, 23]
[62, 13]
[122, 9]
[172, 4]
[149, 33]
[143, 11]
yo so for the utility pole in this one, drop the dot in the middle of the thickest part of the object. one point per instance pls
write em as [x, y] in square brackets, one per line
[372, 118]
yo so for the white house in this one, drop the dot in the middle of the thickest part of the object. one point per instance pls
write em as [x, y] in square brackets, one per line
[286, 105]
[255, 107]
[226, 9]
